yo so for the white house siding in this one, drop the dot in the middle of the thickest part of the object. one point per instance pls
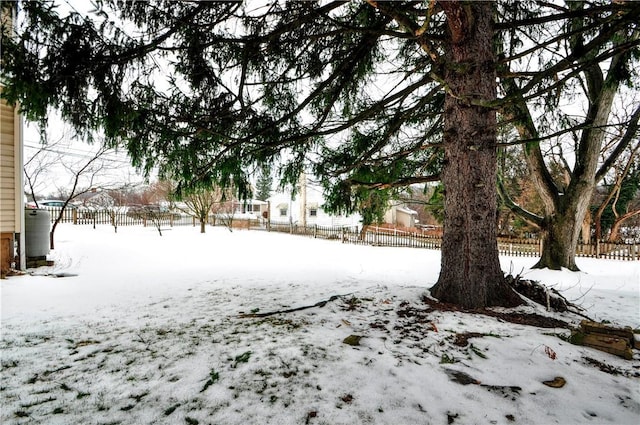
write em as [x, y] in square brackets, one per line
[314, 201]
[10, 181]
[401, 216]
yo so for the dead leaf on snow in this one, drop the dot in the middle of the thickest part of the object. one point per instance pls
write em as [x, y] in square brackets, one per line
[557, 382]
[353, 340]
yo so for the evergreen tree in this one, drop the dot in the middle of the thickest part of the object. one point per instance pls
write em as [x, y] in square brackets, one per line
[264, 184]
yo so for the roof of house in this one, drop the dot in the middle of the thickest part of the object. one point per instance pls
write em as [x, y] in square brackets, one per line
[406, 210]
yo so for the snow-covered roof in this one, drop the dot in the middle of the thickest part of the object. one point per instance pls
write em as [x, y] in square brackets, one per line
[406, 210]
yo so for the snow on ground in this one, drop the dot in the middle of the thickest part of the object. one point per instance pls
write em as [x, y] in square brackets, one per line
[149, 330]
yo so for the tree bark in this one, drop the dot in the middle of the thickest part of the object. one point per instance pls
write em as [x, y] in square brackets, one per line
[470, 273]
[559, 241]
[586, 227]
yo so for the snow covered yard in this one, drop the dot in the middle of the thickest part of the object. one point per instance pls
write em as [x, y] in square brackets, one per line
[166, 330]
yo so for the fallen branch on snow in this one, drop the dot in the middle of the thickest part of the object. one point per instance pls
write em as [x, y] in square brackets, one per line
[291, 310]
[548, 297]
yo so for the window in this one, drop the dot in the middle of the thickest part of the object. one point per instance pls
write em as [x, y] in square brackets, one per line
[312, 207]
[283, 208]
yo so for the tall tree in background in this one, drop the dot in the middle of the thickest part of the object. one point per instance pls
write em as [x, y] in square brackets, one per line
[199, 204]
[621, 201]
[565, 115]
[264, 183]
[369, 96]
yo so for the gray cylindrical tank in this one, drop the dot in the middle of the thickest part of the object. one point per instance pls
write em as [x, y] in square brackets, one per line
[36, 232]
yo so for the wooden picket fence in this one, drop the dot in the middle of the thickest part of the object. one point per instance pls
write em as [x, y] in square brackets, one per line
[314, 230]
[373, 235]
[382, 236]
[120, 218]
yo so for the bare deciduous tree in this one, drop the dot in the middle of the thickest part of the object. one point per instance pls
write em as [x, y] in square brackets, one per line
[72, 174]
[203, 202]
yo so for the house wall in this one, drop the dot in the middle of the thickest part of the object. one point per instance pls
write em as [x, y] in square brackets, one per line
[400, 216]
[390, 215]
[314, 200]
[11, 203]
[405, 219]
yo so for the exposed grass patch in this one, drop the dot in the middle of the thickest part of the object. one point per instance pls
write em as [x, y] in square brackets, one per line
[171, 409]
[241, 358]
[477, 351]
[352, 303]
[85, 342]
[446, 359]
[8, 364]
[139, 397]
[213, 378]
[37, 402]
[60, 369]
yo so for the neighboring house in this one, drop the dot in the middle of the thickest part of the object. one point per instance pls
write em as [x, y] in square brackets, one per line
[253, 208]
[11, 187]
[401, 216]
[306, 209]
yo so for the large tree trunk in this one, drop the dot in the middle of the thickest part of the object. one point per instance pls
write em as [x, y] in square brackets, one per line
[470, 273]
[559, 240]
[561, 231]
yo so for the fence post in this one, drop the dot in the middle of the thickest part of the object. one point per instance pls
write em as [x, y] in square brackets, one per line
[597, 248]
[315, 231]
[540, 246]
[342, 236]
